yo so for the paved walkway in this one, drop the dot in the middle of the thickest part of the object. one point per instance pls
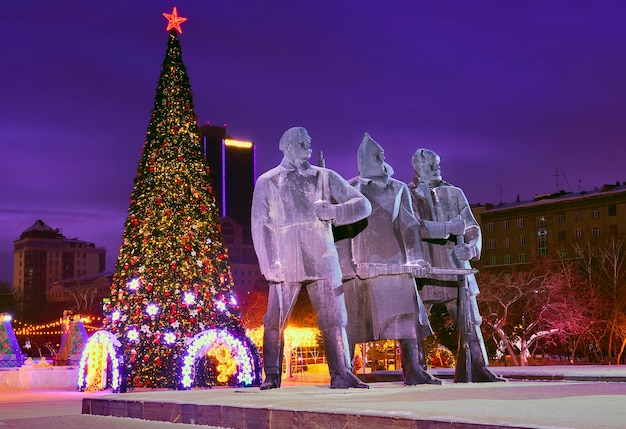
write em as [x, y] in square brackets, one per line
[581, 397]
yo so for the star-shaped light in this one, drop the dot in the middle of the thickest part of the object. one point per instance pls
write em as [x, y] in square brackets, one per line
[174, 21]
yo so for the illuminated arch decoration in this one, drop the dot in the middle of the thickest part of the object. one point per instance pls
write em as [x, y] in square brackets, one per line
[92, 366]
[236, 355]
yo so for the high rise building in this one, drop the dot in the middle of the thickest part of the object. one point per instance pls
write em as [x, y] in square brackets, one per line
[232, 164]
[43, 256]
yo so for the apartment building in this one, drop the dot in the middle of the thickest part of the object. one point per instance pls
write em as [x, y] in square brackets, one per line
[550, 226]
[43, 256]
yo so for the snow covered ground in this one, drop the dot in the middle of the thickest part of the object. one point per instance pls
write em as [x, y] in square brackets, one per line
[567, 403]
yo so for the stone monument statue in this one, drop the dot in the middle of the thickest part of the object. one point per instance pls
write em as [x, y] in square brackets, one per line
[444, 211]
[293, 208]
[379, 263]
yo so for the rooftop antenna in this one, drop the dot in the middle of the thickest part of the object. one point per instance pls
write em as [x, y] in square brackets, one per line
[501, 193]
[558, 173]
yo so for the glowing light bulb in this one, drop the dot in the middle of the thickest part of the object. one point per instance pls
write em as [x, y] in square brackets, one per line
[189, 298]
[152, 309]
[133, 284]
[169, 338]
[132, 335]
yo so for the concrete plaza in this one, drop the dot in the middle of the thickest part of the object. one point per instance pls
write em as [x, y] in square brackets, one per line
[581, 397]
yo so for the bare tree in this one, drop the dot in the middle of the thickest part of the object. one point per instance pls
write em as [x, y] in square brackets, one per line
[85, 298]
[253, 306]
[542, 306]
[605, 267]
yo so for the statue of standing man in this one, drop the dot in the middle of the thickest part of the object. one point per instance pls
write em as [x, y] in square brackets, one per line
[385, 254]
[293, 207]
[444, 211]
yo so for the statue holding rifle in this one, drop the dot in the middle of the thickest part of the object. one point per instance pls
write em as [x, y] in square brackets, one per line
[380, 259]
[441, 207]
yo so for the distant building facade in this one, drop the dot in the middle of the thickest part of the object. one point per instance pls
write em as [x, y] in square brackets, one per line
[43, 256]
[244, 264]
[83, 295]
[232, 164]
[551, 226]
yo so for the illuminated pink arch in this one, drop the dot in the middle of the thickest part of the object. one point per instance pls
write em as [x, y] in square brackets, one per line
[111, 346]
[242, 349]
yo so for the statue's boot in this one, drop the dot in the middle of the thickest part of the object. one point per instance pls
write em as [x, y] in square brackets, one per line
[480, 372]
[413, 372]
[338, 358]
[480, 368]
[272, 359]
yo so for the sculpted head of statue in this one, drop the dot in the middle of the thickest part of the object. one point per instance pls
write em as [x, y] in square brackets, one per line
[426, 165]
[371, 159]
[296, 144]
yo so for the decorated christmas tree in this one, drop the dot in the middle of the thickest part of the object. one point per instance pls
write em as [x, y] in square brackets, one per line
[173, 308]
[10, 352]
[73, 339]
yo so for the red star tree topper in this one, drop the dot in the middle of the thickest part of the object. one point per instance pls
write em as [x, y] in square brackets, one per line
[174, 21]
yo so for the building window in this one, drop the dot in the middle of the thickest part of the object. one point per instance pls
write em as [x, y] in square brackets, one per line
[520, 222]
[491, 227]
[578, 233]
[562, 236]
[522, 258]
[612, 210]
[595, 213]
[564, 254]
[506, 242]
[578, 215]
[521, 240]
[542, 242]
[505, 225]
[561, 217]
[595, 232]
[494, 260]
[507, 259]
[492, 244]
[541, 221]
[579, 252]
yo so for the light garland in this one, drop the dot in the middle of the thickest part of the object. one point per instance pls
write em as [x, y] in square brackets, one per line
[103, 345]
[205, 341]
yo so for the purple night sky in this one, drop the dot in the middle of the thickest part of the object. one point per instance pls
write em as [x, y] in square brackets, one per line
[506, 92]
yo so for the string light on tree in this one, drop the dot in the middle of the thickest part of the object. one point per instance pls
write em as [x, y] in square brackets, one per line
[172, 280]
